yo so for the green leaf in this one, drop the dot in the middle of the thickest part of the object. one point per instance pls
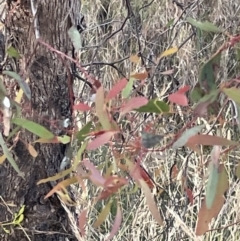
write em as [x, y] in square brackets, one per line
[19, 219]
[186, 136]
[208, 72]
[101, 110]
[237, 172]
[78, 157]
[223, 182]
[170, 23]
[8, 154]
[33, 127]
[128, 88]
[233, 93]
[75, 37]
[21, 210]
[5, 230]
[81, 135]
[64, 139]
[103, 215]
[154, 106]
[3, 91]
[212, 184]
[196, 94]
[23, 85]
[205, 26]
[12, 52]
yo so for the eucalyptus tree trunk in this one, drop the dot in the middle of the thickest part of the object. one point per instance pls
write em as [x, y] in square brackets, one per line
[49, 77]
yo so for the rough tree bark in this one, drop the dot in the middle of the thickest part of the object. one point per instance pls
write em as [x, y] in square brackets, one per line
[49, 76]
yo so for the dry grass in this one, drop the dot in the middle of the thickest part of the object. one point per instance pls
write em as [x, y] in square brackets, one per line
[156, 36]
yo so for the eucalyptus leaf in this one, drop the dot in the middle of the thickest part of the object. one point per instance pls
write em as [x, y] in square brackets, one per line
[205, 26]
[33, 127]
[9, 156]
[23, 85]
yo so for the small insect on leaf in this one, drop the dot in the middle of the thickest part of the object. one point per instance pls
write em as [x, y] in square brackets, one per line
[150, 140]
[168, 52]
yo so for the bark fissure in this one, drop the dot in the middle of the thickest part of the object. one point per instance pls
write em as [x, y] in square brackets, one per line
[50, 101]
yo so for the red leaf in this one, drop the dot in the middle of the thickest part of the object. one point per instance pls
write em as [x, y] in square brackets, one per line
[95, 175]
[150, 202]
[189, 195]
[117, 88]
[179, 99]
[138, 172]
[208, 140]
[100, 140]
[81, 107]
[82, 220]
[112, 185]
[140, 76]
[117, 223]
[183, 89]
[115, 181]
[146, 177]
[134, 103]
